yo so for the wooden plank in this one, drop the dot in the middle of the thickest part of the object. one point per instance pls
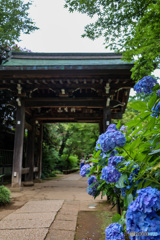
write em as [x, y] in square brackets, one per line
[67, 102]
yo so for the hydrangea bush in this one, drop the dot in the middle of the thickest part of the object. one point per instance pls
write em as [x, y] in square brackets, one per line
[127, 168]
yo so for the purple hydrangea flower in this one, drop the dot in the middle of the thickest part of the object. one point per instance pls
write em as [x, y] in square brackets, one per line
[158, 93]
[92, 186]
[113, 161]
[110, 139]
[114, 232]
[92, 191]
[145, 85]
[156, 110]
[123, 128]
[113, 153]
[142, 214]
[123, 191]
[99, 141]
[103, 155]
[112, 127]
[92, 179]
[109, 142]
[84, 170]
[110, 174]
[120, 139]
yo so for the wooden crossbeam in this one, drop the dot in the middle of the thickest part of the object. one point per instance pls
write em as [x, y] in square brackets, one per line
[67, 102]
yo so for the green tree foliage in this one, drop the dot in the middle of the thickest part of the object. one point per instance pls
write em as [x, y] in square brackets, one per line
[14, 19]
[130, 27]
[65, 143]
[7, 110]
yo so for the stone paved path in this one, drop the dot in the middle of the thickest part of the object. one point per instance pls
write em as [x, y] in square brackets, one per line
[47, 211]
[30, 221]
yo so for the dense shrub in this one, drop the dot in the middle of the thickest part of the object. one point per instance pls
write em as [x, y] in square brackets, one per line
[69, 162]
[132, 175]
[50, 161]
[4, 195]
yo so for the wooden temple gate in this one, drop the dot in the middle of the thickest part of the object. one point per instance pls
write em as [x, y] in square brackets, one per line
[61, 87]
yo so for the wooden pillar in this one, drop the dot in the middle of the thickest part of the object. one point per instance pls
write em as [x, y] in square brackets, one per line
[30, 155]
[106, 117]
[101, 127]
[40, 147]
[18, 147]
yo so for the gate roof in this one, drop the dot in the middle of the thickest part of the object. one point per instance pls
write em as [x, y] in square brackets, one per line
[68, 87]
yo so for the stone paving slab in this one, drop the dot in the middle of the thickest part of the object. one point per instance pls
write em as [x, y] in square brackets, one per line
[60, 235]
[64, 225]
[31, 221]
[65, 217]
[68, 212]
[29, 216]
[25, 224]
[41, 206]
[24, 234]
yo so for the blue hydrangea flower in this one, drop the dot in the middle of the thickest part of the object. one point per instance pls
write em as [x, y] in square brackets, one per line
[103, 155]
[114, 232]
[92, 179]
[92, 186]
[123, 128]
[112, 127]
[145, 85]
[119, 138]
[109, 142]
[110, 139]
[156, 110]
[84, 170]
[92, 190]
[123, 191]
[142, 214]
[110, 174]
[113, 153]
[113, 161]
[99, 141]
[158, 93]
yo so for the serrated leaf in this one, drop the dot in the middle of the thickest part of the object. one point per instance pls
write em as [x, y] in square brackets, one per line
[151, 123]
[139, 106]
[152, 101]
[154, 152]
[97, 154]
[95, 160]
[128, 199]
[118, 124]
[116, 218]
[120, 183]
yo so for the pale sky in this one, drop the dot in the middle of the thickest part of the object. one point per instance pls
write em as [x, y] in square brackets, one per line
[60, 31]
